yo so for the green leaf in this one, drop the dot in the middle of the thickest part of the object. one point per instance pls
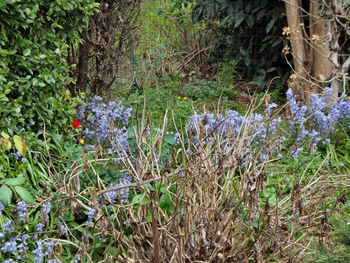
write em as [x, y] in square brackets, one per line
[149, 217]
[238, 19]
[26, 52]
[14, 181]
[20, 145]
[270, 25]
[5, 195]
[5, 135]
[25, 195]
[250, 21]
[136, 198]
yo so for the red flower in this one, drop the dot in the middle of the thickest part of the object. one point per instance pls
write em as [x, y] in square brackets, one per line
[76, 124]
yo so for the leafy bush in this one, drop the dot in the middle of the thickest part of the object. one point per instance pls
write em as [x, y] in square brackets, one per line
[33, 69]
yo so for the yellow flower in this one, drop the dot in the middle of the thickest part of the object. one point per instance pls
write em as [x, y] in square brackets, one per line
[82, 141]
[293, 76]
[315, 37]
[185, 98]
[286, 31]
[180, 101]
[286, 50]
[179, 98]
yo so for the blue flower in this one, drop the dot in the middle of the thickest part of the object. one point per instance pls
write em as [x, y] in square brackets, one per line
[22, 210]
[39, 227]
[9, 227]
[1, 208]
[46, 209]
[10, 246]
[39, 251]
[123, 193]
[90, 215]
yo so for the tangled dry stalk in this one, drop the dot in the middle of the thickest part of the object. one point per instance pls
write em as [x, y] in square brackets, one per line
[219, 210]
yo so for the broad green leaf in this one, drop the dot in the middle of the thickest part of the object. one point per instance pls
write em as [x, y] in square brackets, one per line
[238, 19]
[20, 145]
[25, 195]
[5, 195]
[26, 52]
[5, 135]
[14, 181]
[7, 143]
[137, 198]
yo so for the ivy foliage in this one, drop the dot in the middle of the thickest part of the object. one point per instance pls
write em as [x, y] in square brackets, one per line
[248, 32]
[33, 65]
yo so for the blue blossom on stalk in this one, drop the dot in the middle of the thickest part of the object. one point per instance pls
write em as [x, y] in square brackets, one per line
[49, 247]
[90, 215]
[46, 209]
[39, 251]
[296, 153]
[17, 155]
[177, 138]
[62, 230]
[39, 227]
[103, 121]
[123, 193]
[10, 246]
[9, 228]
[22, 210]
[23, 247]
[1, 208]
[269, 108]
[77, 258]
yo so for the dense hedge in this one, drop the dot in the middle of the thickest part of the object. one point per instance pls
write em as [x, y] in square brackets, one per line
[33, 67]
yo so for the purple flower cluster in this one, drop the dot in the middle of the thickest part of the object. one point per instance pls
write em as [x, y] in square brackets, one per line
[105, 122]
[13, 242]
[253, 128]
[45, 209]
[316, 122]
[123, 193]
[321, 114]
[22, 210]
[43, 250]
[90, 215]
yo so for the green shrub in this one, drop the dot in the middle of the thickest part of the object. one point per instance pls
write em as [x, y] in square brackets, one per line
[33, 67]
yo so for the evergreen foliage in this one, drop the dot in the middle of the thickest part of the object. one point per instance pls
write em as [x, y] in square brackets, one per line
[33, 67]
[248, 32]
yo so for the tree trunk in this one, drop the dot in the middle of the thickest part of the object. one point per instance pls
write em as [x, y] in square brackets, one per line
[321, 67]
[83, 65]
[299, 49]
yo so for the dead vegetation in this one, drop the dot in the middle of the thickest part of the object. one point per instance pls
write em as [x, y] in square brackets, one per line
[216, 209]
